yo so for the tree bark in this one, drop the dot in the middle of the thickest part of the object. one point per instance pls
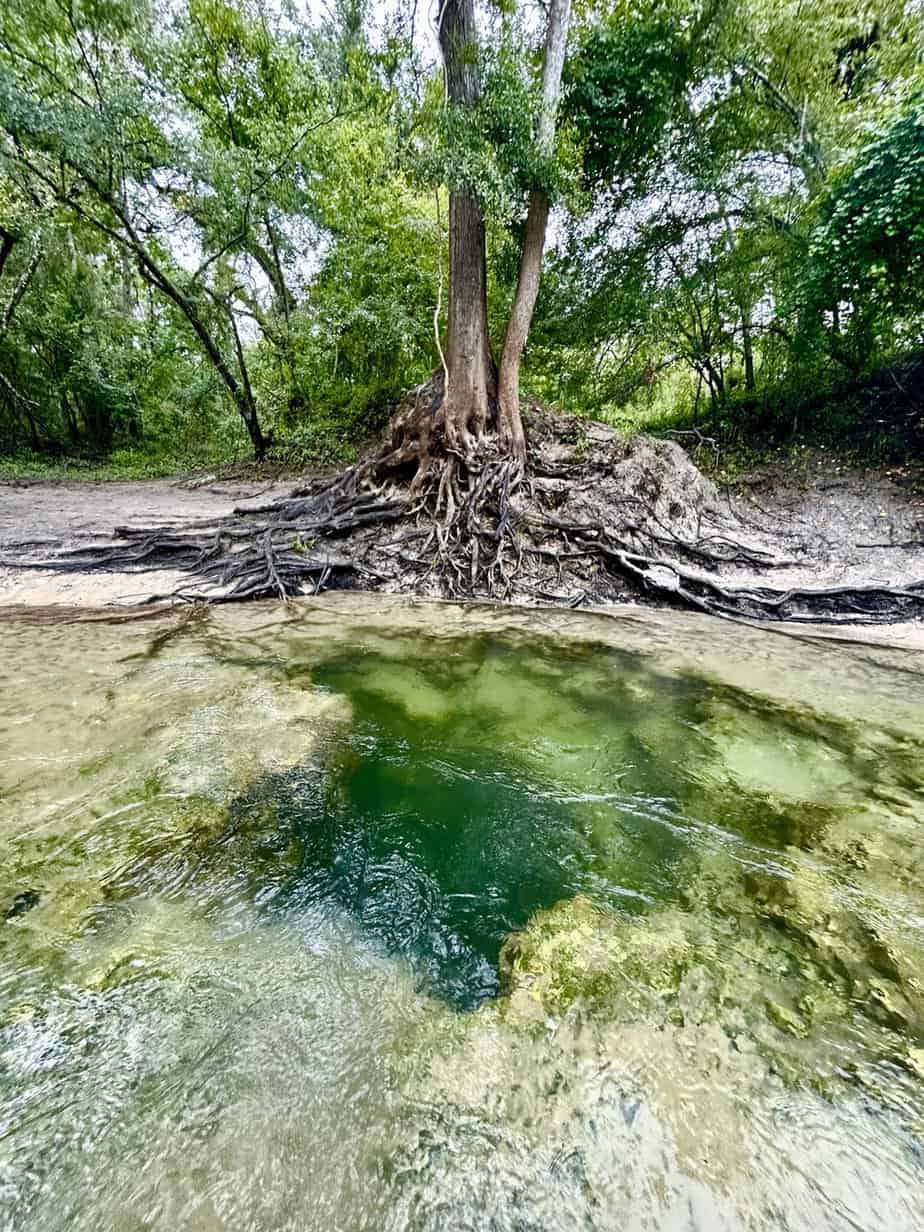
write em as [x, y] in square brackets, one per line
[747, 346]
[510, 422]
[468, 349]
[470, 367]
[22, 285]
[7, 241]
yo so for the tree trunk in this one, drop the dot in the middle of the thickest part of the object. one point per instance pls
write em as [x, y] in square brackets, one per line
[468, 349]
[7, 241]
[510, 423]
[22, 285]
[35, 441]
[470, 367]
[747, 341]
[154, 276]
[70, 419]
[125, 262]
[240, 393]
[747, 346]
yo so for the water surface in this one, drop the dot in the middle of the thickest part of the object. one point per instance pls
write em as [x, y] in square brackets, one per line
[366, 914]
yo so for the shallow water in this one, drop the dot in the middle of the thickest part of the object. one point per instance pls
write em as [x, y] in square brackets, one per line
[367, 914]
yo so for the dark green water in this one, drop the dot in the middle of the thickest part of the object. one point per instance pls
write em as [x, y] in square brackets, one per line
[441, 841]
[382, 918]
[435, 863]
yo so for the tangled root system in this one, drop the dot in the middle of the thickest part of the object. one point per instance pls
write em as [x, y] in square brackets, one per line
[591, 518]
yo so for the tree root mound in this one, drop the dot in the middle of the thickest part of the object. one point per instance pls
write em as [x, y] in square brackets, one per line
[592, 519]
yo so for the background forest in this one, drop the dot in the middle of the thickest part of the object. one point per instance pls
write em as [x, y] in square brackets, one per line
[223, 226]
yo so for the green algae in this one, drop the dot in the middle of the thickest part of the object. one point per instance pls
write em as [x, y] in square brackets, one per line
[794, 978]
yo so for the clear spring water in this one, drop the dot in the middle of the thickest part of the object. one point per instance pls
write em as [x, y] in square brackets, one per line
[371, 915]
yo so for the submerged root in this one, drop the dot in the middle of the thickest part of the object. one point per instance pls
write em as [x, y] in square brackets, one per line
[590, 518]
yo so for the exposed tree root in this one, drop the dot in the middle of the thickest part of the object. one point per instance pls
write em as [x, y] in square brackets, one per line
[590, 519]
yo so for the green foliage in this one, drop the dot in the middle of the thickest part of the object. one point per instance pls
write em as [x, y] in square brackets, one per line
[870, 242]
[742, 227]
[738, 216]
[490, 148]
[622, 87]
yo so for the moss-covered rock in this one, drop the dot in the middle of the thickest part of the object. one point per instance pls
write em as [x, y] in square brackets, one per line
[575, 953]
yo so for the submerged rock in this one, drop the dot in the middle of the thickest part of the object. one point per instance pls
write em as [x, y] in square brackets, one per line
[721, 1031]
[577, 955]
[765, 983]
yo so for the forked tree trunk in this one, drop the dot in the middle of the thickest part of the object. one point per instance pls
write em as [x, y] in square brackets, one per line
[510, 423]
[470, 367]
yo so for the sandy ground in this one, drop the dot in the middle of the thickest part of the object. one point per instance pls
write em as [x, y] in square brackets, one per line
[68, 513]
[848, 526]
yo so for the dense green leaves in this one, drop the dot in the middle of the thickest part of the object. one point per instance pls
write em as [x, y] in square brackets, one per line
[870, 243]
[211, 210]
[622, 87]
